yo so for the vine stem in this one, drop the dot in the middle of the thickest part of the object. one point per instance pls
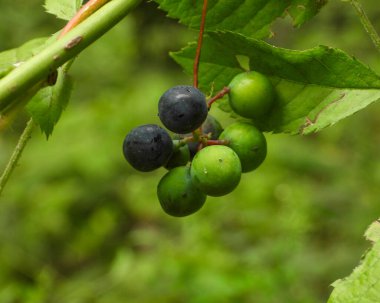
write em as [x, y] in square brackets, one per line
[199, 44]
[36, 74]
[368, 26]
[12, 163]
[37, 68]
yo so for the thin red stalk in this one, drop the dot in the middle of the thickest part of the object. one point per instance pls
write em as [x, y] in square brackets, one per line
[199, 46]
[218, 96]
[86, 10]
[217, 142]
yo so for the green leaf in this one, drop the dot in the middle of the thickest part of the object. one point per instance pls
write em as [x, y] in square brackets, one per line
[250, 17]
[63, 9]
[46, 107]
[363, 285]
[303, 10]
[10, 59]
[315, 88]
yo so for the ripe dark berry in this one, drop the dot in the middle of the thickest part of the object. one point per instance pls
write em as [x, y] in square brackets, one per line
[182, 109]
[216, 170]
[147, 147]
[251, 95]
[213, 127]
[178, 195]
[247, 142]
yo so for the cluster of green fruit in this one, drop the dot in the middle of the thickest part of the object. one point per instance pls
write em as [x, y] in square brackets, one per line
[202, 158]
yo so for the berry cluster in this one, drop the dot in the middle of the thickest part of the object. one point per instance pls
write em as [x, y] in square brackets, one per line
[202, 158]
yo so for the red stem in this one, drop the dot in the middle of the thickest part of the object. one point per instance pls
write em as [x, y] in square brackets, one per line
[86, 10]
[217, 142]
[199, 46]
[218, 96]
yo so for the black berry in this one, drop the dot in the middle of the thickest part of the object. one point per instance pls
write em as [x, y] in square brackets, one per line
[182, 109]
[147, 147]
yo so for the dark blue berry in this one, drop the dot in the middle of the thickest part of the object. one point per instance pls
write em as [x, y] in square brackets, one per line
[182, 109]
[147, 147]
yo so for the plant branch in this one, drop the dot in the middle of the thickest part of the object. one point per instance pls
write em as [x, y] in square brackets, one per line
[71, 44]
[368, 26]
[24, 138]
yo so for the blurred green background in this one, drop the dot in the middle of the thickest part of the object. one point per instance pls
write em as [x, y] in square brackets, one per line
[78, 224]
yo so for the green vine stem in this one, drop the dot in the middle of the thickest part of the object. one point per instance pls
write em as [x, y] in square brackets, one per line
[367, 24]
[24, 138]
[56, 54]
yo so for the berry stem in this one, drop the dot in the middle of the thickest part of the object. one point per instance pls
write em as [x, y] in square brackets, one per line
[199, 45]
[86, 10]
[186, 140]
[218, 96]
[217, 142]
[197, 134]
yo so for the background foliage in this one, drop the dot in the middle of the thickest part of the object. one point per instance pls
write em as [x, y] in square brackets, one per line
[77, 224]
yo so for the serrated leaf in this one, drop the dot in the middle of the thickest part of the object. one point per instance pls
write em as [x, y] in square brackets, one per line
[315, 88]
[363, 285]
[250, 17]
[303, 10]
[10, 59]
[63, 9]
[47, 105]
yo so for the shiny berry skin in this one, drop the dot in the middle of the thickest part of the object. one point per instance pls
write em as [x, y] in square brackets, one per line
[251, 95]
[182, 109]
[216, 170]
[147, 147]
[248, 143]
[178, 195]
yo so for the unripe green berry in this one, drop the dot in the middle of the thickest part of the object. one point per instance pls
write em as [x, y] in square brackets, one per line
[251, 95]
[248, 142]
[216, 170]
[179, 157]
[177, 193]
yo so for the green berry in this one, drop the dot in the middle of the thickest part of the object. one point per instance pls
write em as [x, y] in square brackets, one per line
[179, 157]
[251, 95]
[247, 142]
[177, 193]
[216, 170]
